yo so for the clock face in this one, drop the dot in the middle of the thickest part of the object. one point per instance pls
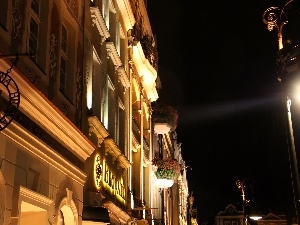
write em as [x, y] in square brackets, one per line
[8, 107]
[97, 171]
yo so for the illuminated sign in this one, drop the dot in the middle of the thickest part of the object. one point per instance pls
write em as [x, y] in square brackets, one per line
[116, 186]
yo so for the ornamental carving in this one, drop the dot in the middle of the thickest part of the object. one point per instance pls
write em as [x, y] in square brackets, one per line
[53, 57]
[17, 19]
[98, 172]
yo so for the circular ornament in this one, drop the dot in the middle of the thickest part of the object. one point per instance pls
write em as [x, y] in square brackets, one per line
[8, 108]
[98, 172]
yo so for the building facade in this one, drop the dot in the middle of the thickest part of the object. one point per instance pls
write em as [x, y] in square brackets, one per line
[77, 82]
[43, 149]
[230, 216]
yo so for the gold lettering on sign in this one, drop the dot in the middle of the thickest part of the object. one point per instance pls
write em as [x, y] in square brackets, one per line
[116, 185]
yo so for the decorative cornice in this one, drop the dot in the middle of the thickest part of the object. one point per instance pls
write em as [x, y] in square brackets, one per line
[48, 139]
[96, 127]
[123, 77]
[44, 113]
[98, 20]
[123, 161]
[146, 71]
[32, 144]
[126, 13]
[115, 152]
[113, 54]
[25, 192]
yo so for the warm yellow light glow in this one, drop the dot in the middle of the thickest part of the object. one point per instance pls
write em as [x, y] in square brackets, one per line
[97, 171]
[112, 184]
[68, 217]
[297, 92]
[255, 217]
[89, 95]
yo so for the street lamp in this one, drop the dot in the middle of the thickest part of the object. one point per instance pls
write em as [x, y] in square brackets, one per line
[275, 17]
[241, 185]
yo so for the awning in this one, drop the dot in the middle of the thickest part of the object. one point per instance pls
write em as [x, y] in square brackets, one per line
[95, 214]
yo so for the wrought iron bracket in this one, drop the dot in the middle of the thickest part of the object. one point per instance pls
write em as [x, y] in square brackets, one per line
[9, 107]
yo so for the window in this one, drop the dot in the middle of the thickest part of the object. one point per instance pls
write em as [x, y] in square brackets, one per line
[120, 139]
[105, 11]
[68, 60]
[63, 60]
[3, 14]
[34, 27]
[33, 37]
[111, 110]
[63, 71]
[95, 85]
[64, 39]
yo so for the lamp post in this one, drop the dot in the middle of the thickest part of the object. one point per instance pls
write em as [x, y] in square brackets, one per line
[241, 185]
[275, 17]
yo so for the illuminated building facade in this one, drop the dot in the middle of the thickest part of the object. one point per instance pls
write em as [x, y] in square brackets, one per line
[81, 76]
[43, 149]
[171, 204]
[230, 216]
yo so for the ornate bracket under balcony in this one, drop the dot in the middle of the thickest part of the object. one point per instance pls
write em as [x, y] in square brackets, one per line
[146, 161]
[123, 161]
[146, 71]
[98, 20]
[117, 156]
[135, 144]
[113, 54]
[96, 127]
[123, 77]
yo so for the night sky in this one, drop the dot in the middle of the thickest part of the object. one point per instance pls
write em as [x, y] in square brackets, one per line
[217, 65]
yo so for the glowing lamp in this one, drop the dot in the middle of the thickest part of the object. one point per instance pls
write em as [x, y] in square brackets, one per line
[255, 217]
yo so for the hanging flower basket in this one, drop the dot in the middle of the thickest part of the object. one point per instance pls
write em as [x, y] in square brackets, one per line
[164, 118]
[168, 170]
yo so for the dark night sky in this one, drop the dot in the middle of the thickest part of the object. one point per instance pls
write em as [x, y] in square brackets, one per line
[217, 67]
